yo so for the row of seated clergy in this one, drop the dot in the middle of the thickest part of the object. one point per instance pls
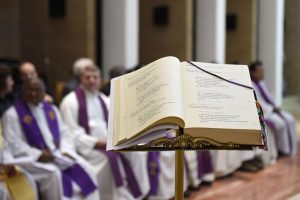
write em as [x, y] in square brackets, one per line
[227, 162]
[85, 111]
[34, 129]
[282, 137]
[51, 181]
[198, 165]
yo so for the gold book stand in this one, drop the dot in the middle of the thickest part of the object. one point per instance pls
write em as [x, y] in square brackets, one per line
[183, 142]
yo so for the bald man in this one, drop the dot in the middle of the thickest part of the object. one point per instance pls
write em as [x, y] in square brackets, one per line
[27, 71]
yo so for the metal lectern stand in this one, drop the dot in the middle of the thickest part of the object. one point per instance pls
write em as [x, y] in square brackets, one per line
[179, 171]
[179, 144]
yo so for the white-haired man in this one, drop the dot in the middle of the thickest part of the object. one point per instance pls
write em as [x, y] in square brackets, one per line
[85, 111]
[78, 66]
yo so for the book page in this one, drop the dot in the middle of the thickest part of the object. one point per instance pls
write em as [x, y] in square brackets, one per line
[157, 132]
[114, 115]
[210, 102]
[153, 94]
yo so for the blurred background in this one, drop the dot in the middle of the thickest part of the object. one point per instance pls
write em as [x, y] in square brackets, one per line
[129, 33]
[54, 33]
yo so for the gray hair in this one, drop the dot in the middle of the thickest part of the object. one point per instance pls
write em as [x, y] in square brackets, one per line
[80, 64]
[91, 68]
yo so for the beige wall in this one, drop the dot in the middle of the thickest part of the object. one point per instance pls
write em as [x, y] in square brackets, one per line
[52, 44]
[71, 37]
[33, 31]
[174, 39]
[291, 47]
[241, 43]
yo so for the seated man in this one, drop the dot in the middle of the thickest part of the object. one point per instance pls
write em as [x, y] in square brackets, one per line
[34, 128]
[280, 122]
[85, 111]
[27, 71]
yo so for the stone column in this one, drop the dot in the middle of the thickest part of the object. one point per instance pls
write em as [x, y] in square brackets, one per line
[210, 30]
[270, 44]
[120, 33]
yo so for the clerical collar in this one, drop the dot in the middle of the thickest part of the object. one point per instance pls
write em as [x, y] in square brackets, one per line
[39, 105]
[89, 93]
[256, 81]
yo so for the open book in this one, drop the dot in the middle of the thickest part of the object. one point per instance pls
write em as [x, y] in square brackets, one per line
[166, 94]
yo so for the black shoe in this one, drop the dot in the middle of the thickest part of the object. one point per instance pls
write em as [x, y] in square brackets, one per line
[281, 154]
[258, 162]
[207, 183]
[187, 194]
[249, 167]
[193, 189]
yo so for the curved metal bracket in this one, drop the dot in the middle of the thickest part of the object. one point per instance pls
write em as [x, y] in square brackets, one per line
[187, 142]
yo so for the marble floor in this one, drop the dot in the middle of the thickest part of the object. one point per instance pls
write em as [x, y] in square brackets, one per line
[277, 182]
